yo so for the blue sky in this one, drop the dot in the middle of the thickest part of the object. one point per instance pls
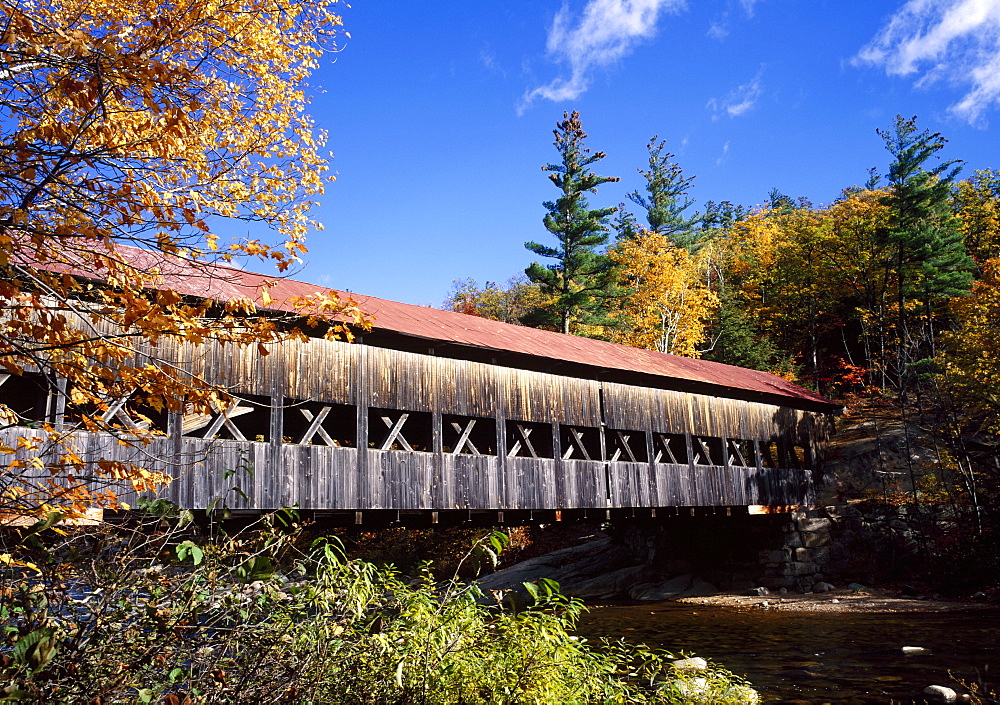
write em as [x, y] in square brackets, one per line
[440, 115]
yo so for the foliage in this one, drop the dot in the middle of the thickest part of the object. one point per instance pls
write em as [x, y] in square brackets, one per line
[970, 355]
[510, 303]
[928, 259]
[579, 279]
[665, 304]
[116, 615]
[129, 133]
[976, 203]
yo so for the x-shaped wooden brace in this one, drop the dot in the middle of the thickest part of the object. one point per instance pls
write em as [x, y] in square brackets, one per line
[116, 410]
[525, 438]
[623, 444]
[664, 448]
[576, 442]
[736, 456]
[215, 422]
[700, 450]
[766, 455]
[395, 432]
[463, 437]
[316, 426]
[793, 459]
[3, 379]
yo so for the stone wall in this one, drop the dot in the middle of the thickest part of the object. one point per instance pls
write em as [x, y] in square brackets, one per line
[836, 544]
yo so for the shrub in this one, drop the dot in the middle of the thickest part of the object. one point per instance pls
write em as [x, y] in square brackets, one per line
[152, 612]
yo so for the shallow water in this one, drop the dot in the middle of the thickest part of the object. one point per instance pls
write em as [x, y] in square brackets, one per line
[802, 657]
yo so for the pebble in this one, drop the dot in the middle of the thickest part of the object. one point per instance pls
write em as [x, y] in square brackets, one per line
[940, 694]
[915, 651]
[690, 664]
[835, 600]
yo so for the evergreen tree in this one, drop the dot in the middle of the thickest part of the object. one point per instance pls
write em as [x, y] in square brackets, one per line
[579, 279]
[666, 197]
[929, 261]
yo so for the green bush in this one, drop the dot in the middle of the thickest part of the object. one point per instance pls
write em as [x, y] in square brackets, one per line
[154, 613]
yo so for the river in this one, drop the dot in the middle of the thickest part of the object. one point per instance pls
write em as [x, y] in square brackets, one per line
[818, 657]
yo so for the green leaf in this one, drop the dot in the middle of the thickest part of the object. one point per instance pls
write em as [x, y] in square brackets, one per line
[532, 590]
[36, 649]
[189, 549]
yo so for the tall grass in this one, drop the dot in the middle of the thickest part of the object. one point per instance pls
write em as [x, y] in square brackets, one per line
[153, 612]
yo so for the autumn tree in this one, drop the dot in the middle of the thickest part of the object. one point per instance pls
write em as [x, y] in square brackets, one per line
[510, 302]
[665, 304]
[129, 134]
[976, 203]
[580, 276]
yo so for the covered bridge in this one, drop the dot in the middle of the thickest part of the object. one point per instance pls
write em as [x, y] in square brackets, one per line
[435, 410]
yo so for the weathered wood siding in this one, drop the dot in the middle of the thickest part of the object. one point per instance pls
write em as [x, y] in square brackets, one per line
[280, 472]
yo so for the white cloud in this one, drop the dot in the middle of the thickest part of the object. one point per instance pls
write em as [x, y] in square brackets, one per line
[956, 41]
[748, 6]
[717, 30]
[725, 153]
[602, 33]
[741, 100]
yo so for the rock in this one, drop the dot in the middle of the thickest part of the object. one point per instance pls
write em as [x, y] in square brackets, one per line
[915, 651]
[979, 595]
[823, 587]
[778, 556]
[783, 591]
[815, 539]
[803, 555]
[571, 567]
[662, 591]
[835, 601]
[681, 586]
[696, 663]
[758, 592]
[798, 568]
[607, 585]
[699, 588]
[820, 555]
[940, 694]
[814, 525]
[692, 690]
[856, 587]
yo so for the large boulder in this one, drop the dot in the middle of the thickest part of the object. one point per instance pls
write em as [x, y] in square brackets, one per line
[596, 570]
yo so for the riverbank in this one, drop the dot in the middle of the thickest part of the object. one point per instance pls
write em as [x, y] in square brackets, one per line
[843, 600]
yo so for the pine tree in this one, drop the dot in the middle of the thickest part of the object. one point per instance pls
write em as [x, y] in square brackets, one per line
[666, 197]
[579, 279]
[929, 260]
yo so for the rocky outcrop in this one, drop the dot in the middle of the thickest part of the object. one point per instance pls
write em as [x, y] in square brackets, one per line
[598, 570]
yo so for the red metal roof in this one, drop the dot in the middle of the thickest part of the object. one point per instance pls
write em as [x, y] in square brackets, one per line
[224, 283]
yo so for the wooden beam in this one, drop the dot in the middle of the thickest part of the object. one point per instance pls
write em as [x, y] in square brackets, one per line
[315, 426]
[395, 432]
[463, 438]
